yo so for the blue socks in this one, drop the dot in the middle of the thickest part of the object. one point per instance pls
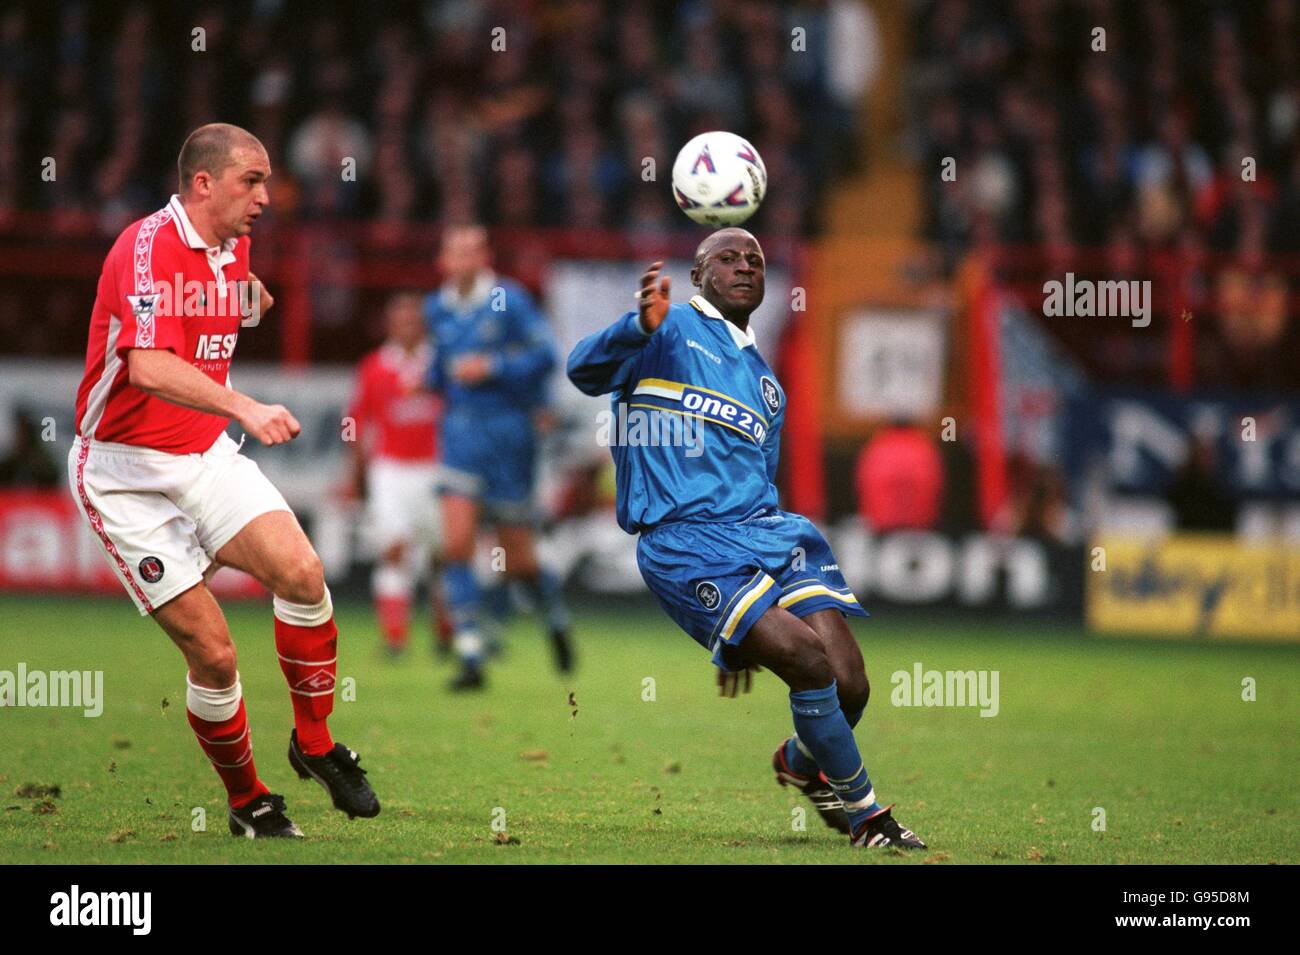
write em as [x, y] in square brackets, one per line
[466, 597]
[823, 729]
[462, 590]
[547, 597]
[797, 756]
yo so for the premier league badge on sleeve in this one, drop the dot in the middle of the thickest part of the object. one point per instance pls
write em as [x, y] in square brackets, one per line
[142, 304]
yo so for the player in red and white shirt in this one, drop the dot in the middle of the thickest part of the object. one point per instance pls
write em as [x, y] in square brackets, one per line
[394, 467]
[166, 491]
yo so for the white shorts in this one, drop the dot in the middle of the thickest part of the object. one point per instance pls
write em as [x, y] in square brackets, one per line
[403, 505]
[161, 518]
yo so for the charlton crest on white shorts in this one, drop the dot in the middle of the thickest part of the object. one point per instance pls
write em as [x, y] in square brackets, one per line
[151, 569]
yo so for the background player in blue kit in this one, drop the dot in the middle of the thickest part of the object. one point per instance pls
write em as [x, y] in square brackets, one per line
[757, 586]
[492, 353]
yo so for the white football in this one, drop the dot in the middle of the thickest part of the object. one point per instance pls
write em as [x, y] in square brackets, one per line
[719, 179]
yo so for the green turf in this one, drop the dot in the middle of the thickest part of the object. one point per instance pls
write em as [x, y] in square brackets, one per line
[1155, 733]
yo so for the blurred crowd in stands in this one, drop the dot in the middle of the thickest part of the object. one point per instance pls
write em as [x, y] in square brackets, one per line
[1059, 144]
[1176, 147]
[508, 111]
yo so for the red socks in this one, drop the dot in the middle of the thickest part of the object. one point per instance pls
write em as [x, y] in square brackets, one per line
[306, 642]
[221, 725]
[394, 615]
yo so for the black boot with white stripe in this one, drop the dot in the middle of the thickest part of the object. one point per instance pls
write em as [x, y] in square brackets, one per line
[340, 772]
[817, 790]
[263, 818]
[883, 830]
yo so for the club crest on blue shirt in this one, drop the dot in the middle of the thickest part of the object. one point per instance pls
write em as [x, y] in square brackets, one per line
[708, 594]
[771, 394]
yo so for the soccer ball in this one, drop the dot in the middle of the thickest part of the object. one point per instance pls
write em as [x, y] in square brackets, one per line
[719, 179]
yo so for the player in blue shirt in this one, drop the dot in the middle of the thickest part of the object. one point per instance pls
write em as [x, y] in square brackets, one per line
[492, 353]
[755, 585]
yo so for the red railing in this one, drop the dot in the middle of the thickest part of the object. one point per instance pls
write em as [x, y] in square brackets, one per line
[321, 272]
[304, 263]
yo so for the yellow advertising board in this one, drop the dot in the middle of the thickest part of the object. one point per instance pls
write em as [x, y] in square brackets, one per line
[1194, 585]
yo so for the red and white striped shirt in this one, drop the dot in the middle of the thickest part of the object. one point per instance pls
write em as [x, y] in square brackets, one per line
[162, 287]
[395, 418]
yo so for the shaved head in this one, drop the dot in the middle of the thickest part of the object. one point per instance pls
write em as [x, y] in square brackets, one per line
[729, 270]
[223, 171]
[717, 239]
[211, 149]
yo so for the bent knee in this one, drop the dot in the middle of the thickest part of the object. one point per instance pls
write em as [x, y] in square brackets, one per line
[302, 579]
[854, 692]
[214, 662]
[808, 662]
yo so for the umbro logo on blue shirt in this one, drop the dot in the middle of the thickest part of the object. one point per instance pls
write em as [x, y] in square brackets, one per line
[692, 343]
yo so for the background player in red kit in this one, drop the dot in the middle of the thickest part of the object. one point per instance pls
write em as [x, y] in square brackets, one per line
[393, 467]
[168, 494]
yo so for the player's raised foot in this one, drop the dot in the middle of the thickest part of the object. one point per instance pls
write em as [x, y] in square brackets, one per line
[263, 818]
[469, 678]
[340, 772]
[883, 829]
[562, 650]
[817, 790]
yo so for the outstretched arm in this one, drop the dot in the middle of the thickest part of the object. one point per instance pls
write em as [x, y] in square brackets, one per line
[598, 362]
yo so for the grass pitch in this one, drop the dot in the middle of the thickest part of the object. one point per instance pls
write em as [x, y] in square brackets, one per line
[1156, 734]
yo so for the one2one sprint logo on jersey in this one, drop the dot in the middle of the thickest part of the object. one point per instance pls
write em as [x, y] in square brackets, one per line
[727, 412]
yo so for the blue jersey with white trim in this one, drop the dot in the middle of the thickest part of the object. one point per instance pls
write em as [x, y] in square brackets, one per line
[500, 320]
[696, 416]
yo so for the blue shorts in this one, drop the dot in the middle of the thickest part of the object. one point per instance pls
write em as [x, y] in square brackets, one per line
[490, 458]
[716, 580]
